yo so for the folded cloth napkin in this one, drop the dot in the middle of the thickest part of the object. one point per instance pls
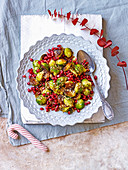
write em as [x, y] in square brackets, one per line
[36, 27]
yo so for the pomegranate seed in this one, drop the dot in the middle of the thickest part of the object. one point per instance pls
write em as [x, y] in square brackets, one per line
[95, 77]
[58, 45]
[44, 94]
[69, 112]
[76, 62]
[90, 98]
[75, 108]
[54, 81]
[49, 50]
[84, 61]
[38, 70]
[91, 92]
[37, 89]
[39, 93]
[47, 79]
[39, 62]
[78, 110]
[41, 108]
[48, 93]
[75, 101]
[31, 59]
[47, 110]
[28, 83]
[34, 91]
[29, 90]
[34, 75]
[52, 108]
[24, 76]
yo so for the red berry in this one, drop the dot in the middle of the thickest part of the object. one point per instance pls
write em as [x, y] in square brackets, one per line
[69, 112]
[31, 59]
[59, 45]
[91, 92]
[24, 76]
[90, 98]
[39, 62]
[38, 70]
[95, 77]
[29, 90]
[41, 108]
[28, 83]
[78, 110]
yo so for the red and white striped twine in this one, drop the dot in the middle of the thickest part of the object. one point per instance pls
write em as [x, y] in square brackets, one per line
[25, 133]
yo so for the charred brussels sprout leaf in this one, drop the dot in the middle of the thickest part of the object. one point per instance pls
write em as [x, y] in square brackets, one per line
[39, 76]
[36, 64]
[51, 85]
[46, 91]
[65, 109]
[41, 99]
[46, 66]
[67, 67]
[52, 63]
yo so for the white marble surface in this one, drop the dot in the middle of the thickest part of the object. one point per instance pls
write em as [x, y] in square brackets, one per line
[100, 149]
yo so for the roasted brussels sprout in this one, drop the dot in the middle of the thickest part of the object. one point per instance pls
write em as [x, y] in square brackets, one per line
[70, 93]
[39, 76]
[61, 81]
[80, 104]
[41, 99]
[79, 69]
[52, 63]
[69, 84]
[54, 70]
[67, 67]
[46, 66]
[86, 83]
[68, 52]
[58, 53]
[68, 102]
[78, 88]
[61, 62]
[36, 64]
[86, 92]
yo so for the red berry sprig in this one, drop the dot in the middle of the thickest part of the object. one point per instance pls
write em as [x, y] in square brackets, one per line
[101, 40]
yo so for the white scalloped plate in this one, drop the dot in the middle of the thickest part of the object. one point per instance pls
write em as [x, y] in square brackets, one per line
[75, 43]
